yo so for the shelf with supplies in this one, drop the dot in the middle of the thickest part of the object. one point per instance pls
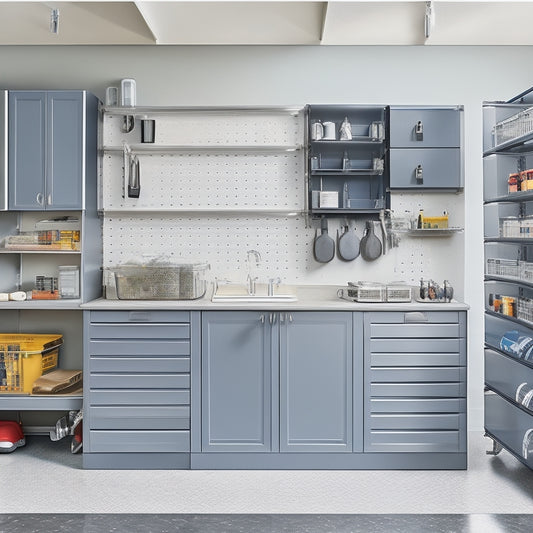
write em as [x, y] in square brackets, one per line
[431, 232]
[346, 160]
[508, 237]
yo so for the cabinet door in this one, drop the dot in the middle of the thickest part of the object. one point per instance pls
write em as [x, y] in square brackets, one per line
[27, 150]
[316, 382]
[64, 166]
[425, 128]
[425, 168]
[236, 381]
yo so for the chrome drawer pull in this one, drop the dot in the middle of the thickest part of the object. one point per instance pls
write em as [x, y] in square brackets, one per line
[415, 317]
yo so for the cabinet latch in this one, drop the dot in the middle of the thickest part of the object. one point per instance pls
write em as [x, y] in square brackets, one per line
[419, 173]
[419, 131]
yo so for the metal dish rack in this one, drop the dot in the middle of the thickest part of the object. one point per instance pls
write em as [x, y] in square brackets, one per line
[367, 292]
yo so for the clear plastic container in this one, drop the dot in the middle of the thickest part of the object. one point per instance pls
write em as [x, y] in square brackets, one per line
[156, 282]
[128, 92]
[69, 281]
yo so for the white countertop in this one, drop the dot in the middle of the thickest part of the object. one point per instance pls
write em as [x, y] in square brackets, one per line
[310, 298]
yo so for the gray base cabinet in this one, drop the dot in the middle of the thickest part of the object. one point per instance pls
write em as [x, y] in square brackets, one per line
[277, 382]
[316, 376]
[237, 380]
[415, 382]
[137, 390]
[275, 390]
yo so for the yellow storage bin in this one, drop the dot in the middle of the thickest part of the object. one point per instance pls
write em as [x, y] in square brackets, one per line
[24, 358]
[435, 222]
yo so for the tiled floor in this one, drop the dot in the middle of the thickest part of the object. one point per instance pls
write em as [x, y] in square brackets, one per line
[44, 477]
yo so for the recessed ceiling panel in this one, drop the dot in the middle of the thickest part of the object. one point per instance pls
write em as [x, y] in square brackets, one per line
[234, 22]
[79, 23]
[374, 23]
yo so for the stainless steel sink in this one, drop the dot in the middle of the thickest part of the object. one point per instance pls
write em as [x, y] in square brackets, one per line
[237, 292]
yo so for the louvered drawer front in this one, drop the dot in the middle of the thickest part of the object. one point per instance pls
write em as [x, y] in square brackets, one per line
[140, 397]
[152, 441]
[139, 381]
[415, 441]
[140, 417]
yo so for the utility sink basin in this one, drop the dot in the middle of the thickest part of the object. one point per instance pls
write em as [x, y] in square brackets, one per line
[236, 292]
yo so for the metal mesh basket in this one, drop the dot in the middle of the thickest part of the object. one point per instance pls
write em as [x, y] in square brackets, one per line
[398, 293]
[366, 292]
[503, 267]
[182, 282]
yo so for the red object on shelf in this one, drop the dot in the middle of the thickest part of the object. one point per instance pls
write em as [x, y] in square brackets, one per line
[11, 436]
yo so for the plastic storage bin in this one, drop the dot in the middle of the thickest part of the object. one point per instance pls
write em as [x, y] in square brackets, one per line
[156, 282]
[24, 358]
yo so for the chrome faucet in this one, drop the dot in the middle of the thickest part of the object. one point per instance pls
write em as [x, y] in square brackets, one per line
[271, 283]
[252, 279]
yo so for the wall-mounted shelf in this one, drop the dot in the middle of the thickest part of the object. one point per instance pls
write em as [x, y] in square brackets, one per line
[57, 402]
[47, 252]
[206, 210]
[523, 196]
[435, 232]
[65, 303]
[141, 112]
[168, 149]
[346, 172]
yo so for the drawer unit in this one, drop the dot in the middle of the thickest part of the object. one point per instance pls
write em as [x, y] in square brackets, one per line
[140, 364]
[415, 168]
[510, 377]
[141, 417]
[138, 388]
[415, 382]
[425, 128]
[152, 441]
[428, 421]
[418, 405]
[510, 425]
[415, 441]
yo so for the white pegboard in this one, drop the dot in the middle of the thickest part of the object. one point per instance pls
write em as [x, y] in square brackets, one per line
[239, 180]
[207, 180]
[247, 128]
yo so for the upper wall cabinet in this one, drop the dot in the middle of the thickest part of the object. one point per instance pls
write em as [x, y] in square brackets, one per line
[46, 149]
[346, 150]
[426, 148]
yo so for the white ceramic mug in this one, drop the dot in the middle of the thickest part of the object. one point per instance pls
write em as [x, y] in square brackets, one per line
[329, 131]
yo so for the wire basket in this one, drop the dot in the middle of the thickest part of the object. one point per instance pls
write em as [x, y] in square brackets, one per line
[366, 292]
[177, 282]
[503, 267]
[398, 293]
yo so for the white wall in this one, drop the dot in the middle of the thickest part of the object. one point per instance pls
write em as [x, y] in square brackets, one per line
[236, 75]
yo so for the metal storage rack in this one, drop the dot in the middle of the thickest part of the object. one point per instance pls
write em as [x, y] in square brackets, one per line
[508, 289]
[351, 169]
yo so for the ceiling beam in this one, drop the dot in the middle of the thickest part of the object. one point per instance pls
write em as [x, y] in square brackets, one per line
[142, 8]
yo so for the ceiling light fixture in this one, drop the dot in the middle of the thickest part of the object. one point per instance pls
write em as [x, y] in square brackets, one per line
[54, 21]
[429, 21]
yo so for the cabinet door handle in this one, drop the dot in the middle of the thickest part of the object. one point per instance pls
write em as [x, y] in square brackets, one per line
[419, 131]
[419, 173]
[49, 199]
[282, 318]
[40, 198]
[262, 318]
[290, 317]
[414, 317]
